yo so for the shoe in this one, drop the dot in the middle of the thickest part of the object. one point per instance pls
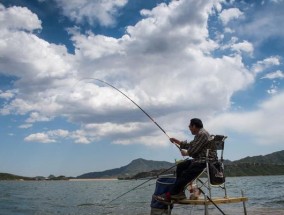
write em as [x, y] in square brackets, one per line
[178, 196]
[164, 198]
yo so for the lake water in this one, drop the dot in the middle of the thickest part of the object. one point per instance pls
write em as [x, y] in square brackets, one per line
[265, 193]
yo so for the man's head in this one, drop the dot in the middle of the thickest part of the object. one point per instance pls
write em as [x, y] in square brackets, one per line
[195, 125]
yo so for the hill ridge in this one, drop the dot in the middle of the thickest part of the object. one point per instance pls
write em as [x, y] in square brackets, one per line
[135, 166]
[270, 164]
[140, 165]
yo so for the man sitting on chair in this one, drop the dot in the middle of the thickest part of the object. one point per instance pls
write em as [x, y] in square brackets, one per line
[188, 170]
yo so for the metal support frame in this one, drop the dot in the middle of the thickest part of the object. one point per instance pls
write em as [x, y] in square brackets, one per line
[206, 183]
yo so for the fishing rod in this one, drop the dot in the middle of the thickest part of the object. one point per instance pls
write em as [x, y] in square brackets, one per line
[142, 183]
[96, 79]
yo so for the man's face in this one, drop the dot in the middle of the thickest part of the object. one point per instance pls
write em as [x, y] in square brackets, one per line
[193, 129]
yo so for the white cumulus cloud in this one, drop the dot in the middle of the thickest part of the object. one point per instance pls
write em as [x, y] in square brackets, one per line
[18, 18]
[262, 126]
[8, 94]
[164, 63]
[39, 137]
[51, 136]
[102, 12]
[244, 46]
[261, 65]
[274, 75]
[229, 14]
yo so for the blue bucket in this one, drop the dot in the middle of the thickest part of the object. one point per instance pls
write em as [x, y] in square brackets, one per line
[163, 185]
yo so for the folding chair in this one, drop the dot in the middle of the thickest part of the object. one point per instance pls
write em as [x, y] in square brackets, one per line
[213, 176]
[214, 171]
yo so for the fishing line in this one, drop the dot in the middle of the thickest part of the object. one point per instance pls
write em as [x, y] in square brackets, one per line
[104, 82]
[96, 79]
[142, 184]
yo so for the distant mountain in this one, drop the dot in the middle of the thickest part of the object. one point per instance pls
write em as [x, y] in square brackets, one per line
[136, 166]
[273, 158]
[7, 176]
[271, 164]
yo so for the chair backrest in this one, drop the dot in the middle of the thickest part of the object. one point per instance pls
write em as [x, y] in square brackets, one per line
[218, 142]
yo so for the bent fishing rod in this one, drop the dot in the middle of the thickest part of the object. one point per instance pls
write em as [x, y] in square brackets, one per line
[96, 79]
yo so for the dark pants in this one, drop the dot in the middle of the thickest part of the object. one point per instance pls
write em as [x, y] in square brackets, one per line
[186, 172]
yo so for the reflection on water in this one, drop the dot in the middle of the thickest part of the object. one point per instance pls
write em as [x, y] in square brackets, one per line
[266, 196]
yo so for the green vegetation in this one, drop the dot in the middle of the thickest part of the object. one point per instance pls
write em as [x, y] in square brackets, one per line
[231, 170]
[61, 177]
[253, 169]
[7, 176]
[273, 158]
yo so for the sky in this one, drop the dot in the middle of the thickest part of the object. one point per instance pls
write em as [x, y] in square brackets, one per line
[220, 61]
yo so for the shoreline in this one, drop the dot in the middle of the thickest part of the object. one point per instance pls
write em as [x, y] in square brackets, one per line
[93, 179]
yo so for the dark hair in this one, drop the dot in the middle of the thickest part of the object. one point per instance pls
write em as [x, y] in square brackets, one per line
[197, 122]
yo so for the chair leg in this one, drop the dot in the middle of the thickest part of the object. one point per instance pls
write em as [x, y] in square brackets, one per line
[169, 209]
[244, 204]
[206, 209]
[205, 205]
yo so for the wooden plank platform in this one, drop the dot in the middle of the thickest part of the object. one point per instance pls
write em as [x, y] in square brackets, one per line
[220, 200]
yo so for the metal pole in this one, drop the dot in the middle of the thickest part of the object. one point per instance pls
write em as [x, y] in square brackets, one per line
[205, 206]
[244, 204]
